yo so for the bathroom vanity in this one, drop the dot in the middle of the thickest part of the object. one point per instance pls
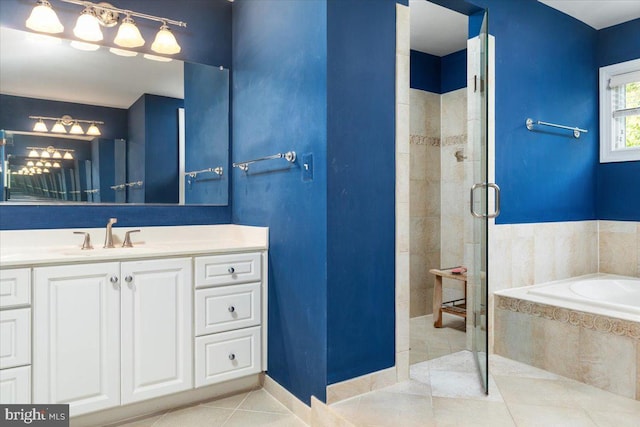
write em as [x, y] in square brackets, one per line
[184, 308]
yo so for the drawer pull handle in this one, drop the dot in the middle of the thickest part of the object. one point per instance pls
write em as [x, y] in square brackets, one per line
[231, 270]
[232, 356]
[231, 309]
[128, 279]
[114, 279]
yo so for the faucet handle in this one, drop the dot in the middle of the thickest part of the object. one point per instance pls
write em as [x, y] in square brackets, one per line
[127, 238]
[87, 240]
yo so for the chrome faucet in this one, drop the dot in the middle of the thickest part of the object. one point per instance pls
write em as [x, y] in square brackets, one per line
[108, 238]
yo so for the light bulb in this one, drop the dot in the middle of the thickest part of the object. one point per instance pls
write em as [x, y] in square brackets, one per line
[58, 128]
[44, 19]
[76, 129]
[34, 153]
[128, 34]
[88, 27]
[93, 130]
[40, 126]
[165, 42]
[67, 155]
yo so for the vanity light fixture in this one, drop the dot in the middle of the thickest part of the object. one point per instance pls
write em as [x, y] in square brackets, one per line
[97, 15]
[56, 164]
[42, 154]
[47, 164]
[34, 153]
[56, 155]
[76, 129]
[30, 163]
[128, 34]
[45, 170]
[67, 155]
[45, 154]
[58, 128]
[44, 19]
[61, 124]
[39, 164]
[88, 26]
[40, 126]
[165, 42]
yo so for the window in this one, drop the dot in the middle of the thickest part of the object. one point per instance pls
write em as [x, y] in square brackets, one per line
[620, 112]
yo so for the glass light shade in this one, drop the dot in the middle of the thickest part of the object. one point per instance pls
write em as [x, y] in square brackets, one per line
[76, 129]
[40, 126]
[56, 155]
[47, 164]
[165, 42]
[44, 19]
[157, 58]
[39, 164]
[93, 130]
[88, 27]
[68, 156]
[30, 164]
[39, 171]
[128, 34]
[56, 164]
[89, 47]
[58, 128]
[122, 52]
[34, 153]
[45, 154]
[45, 170]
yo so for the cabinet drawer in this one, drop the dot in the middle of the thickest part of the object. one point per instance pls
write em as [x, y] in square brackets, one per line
[15, 337]
[227, 355]
[227, 269]
[15, 287]
[15, 385]
[225, 308]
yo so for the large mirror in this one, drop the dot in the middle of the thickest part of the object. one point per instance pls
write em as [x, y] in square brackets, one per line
[163, 125]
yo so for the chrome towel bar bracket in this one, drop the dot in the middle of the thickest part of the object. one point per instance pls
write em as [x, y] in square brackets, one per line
[194, 174]
[576, 130]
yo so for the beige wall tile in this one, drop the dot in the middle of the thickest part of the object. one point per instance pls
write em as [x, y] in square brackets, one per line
[618, 253]
[558, 344]
[402, 128]
[402, 79]
[403, 30]
[608, 361]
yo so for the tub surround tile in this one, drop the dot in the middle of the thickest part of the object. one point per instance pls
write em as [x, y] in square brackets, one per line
[619, 247]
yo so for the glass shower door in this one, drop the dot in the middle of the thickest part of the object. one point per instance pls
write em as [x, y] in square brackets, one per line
[479, 203]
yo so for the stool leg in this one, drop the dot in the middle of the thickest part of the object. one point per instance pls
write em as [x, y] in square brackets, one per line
[437, 302]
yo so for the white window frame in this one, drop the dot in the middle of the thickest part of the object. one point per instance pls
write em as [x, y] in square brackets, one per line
[607, 154]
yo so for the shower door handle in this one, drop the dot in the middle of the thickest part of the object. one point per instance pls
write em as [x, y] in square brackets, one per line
[496, 211]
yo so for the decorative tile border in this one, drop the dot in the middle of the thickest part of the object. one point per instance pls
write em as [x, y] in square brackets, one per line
[454, 140]
[432, 141]
[583, 319]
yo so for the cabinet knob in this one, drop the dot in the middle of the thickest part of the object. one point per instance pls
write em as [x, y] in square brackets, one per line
[232, 356]
[231, 270]
[231, 309]
[114, 279]
[128, 279]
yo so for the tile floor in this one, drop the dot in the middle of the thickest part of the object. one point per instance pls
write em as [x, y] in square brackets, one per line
[446, 392]
[255, 408]
[427, 342]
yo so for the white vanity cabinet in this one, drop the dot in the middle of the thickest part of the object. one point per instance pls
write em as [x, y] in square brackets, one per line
[229, 313]
[111, 333]
[15, 336]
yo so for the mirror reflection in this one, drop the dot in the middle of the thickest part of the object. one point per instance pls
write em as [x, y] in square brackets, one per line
[135, 127]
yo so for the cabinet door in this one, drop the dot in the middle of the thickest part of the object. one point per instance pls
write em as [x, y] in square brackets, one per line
[15, 385]
[15, 287]
[15, 337]
[156, 328]
[76, 326]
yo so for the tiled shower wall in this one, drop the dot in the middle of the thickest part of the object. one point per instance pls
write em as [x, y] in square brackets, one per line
[437, 202]
[424, 201]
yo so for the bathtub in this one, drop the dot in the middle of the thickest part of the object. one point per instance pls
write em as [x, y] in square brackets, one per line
[601, 294]
[585, 328]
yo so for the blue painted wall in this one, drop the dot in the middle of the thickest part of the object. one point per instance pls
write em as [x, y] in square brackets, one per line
[206, 106]
[360, 187]
[279, 78]
[207, 39]
[424, 71]
[438, 74]
[545, 69]
[619, 183]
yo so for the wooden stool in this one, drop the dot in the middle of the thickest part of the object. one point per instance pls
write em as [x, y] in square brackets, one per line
[455, 307]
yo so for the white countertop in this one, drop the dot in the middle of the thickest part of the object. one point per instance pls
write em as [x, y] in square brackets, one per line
[23, 248]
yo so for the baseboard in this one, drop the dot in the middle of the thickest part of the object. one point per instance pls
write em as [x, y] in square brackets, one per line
[323, 416]
[360, 385]
[284, 396]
